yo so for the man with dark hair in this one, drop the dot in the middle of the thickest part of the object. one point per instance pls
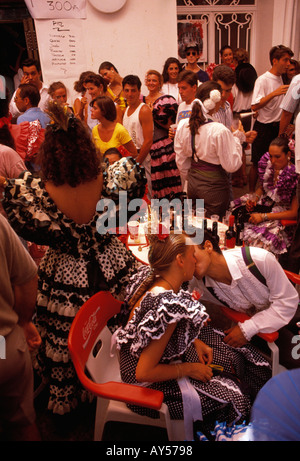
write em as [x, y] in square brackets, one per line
[268, 95]
[138, 121]
[31, 74]
[27, 99]
[192, 54]
[187, 86]
[225, 77]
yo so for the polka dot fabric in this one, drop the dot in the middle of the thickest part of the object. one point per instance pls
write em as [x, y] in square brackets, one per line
[78, 263]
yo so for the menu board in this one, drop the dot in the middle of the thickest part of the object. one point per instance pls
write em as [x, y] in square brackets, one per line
[57, 9]
[61, 47]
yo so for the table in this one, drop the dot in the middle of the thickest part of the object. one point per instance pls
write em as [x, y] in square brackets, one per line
[140, 247]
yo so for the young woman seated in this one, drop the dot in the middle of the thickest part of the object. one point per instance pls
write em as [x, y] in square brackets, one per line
[166, 342]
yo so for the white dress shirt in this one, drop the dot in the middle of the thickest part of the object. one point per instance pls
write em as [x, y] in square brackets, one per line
[271, 307]
[214, 144]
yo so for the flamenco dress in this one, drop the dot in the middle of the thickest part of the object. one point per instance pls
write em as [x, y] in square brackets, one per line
[277, 197]
[227, 397]
[79, 262]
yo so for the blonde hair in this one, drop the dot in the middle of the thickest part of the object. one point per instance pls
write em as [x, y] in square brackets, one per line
[158, 75]
[162, 253]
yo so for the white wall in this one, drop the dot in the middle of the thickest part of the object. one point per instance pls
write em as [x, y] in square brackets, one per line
[140, 36]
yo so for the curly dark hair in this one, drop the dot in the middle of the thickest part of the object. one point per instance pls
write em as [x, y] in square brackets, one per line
[68, 154]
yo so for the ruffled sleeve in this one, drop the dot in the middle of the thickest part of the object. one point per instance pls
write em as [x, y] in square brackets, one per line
[30, 212]
[155, 314]
[125, 175]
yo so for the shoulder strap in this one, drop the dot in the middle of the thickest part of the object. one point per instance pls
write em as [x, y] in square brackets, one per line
[251, 265]
[193, 140]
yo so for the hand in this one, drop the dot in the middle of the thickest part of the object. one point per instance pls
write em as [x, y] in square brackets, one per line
[250, 204]
[200, 372]
[281, 90]
[32, 336]
[256, 218]
[24, 79]
[234, 337]
[205, 353]
[250, 136]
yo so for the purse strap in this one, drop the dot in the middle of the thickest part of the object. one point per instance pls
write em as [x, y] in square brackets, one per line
[251, 265]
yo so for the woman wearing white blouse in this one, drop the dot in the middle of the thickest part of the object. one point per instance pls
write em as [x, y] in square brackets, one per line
[171, 70]
[206, 151]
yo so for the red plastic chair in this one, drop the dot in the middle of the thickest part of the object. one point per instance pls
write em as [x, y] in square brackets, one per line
[270, 338]
[88, 327]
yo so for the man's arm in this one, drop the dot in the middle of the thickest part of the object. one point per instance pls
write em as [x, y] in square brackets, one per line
[285, 120]
[25, 299]
[146, 121]
[266, 99]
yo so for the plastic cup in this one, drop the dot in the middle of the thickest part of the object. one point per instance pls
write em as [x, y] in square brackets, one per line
[133, 228]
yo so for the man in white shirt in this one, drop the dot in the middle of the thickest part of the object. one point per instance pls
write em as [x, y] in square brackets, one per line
[268, 94]
[187, 86]
[138, 121]
[31, 74]
[227, 280]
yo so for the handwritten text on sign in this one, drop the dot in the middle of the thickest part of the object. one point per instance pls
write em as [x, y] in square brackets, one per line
[57, 9]
[62, 48]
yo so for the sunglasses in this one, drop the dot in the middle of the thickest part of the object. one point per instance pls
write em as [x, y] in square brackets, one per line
[191, 53]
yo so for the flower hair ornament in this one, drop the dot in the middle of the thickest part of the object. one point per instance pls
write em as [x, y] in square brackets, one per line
[211, 102]
[61, 119]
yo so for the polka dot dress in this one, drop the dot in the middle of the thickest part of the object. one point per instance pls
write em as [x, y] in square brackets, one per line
[78, 263]
[228, 396]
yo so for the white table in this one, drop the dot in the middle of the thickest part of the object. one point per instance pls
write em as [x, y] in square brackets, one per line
[140, 247]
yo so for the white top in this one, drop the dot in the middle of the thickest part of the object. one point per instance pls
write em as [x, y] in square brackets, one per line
[297, 143]
[214, 144]
[172, 89]
[270, 308]
[291, 101]
[242, 101]
[184, 111]
[42, 104]
[264, 85]
[133, 126]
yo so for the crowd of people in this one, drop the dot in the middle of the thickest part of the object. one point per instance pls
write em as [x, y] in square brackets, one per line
[186, 138]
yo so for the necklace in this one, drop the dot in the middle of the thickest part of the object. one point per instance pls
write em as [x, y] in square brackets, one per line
[168, 283]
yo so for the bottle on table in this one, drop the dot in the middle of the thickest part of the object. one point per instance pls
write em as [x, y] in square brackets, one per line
[230, 234]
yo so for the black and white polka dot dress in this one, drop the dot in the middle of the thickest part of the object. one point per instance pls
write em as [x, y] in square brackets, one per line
[230, 394]
[79, 262]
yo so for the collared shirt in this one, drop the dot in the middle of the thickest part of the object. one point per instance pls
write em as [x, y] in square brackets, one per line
[224, 115]
[42, 104]
[214, 144]
[32, 114]
[271, 307]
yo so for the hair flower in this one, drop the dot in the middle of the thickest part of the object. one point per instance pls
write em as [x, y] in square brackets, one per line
[162, 232]
[209, 105]
[196, 295]
[215, 96]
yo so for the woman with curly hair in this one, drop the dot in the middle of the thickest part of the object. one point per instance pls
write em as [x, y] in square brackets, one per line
[60, 210]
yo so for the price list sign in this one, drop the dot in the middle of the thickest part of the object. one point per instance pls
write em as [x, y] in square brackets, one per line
[61, 48]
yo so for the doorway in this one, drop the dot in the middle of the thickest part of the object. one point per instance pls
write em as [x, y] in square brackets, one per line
[17, 40]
